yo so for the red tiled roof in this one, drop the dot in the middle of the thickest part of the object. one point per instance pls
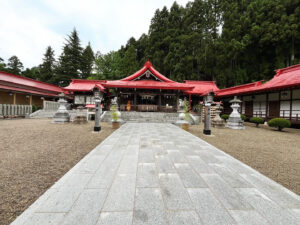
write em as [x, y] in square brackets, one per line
[85, 85]
[201, 87]
[148, 66]
[284, 78]
[10, 88]
[148, 84]
[24, 83]
[238, 90]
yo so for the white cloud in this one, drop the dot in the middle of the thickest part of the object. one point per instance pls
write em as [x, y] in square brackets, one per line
[29, 27]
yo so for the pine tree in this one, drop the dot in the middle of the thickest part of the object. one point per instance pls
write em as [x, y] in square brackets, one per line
[14, 65]
[47, 68]
[2, 65]
[129, 62]
[69, 65]
[87, 63]
[33, 73]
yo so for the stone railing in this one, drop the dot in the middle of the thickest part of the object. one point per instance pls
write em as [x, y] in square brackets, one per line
[51, 106]
[8, 110]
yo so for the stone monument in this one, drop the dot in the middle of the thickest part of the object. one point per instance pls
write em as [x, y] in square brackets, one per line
[80, 117]
[217, 121]
[234, 121]
[182, 122]
[208, 100]
[62, 115]
[98, 109]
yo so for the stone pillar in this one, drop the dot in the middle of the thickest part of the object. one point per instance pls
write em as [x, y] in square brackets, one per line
[62, 115]
[97, 99]
[208, 100]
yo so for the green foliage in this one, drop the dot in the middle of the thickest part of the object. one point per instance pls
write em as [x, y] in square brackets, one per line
[108, 66]
[2, 65]
[257, 120]
[36, 108]
[14, 65]
[47, 68]
[280, 123]
[243, 117]
[114, 113]
[225, 117]
[186, 110]
[87, 62]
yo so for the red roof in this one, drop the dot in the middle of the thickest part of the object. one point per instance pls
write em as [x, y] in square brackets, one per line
[24, 83]
[284, 78]
[85, 85]
[238, 90]
[5, 87]
[201, 87]
[148, 66]
[148, 84]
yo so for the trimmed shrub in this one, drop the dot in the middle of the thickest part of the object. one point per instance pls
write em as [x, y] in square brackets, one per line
[280, 123]
[225, 117]
[36, 108]
[243, 117]
[257, 120]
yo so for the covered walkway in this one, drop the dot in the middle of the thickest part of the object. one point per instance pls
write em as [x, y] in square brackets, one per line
[146, 173]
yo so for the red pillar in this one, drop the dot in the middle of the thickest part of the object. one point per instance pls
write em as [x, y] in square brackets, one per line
[189, 102]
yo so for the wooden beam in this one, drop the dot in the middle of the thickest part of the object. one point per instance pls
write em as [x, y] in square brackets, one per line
[14, 98]
[30, 99]
[267, 106]
[291, 103]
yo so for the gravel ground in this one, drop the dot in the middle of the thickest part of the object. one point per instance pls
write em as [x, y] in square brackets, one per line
[273, 153]
[34, 154]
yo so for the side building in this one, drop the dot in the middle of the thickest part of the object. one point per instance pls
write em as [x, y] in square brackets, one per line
[279, 97]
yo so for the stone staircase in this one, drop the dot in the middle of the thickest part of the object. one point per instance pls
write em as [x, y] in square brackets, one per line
[48, 114]
[142, 117]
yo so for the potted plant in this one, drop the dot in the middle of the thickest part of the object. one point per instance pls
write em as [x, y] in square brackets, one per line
[186, 125]
[115, 117]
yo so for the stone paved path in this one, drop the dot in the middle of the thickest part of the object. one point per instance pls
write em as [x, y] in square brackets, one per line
[159, 174]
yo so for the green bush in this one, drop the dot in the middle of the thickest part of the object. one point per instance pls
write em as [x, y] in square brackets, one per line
[114, 113]
[36, 108]
[257, 120]
[186, 110]
[225, 117]
[280, 123]
[243, 117]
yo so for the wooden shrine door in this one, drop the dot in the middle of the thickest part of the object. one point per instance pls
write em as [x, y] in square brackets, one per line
[249, 108]
[274, 109]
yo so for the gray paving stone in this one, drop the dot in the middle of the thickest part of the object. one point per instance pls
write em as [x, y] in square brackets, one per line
[164, 164]
[199, 165]
[149, 208]
[273, 191]
[121, 193]
[74, 180]
[91, 164]
[146, 156]
[86, 209]
[234, 164]
[115, 218]
[248, 217]
[147, 175]
[176, 156]
[45, 219]
[183, 218]
[209, 208]
[207, 156]
[103, 149]
[128, 164]
[174, 194]
[188, 176]
[228, 196]
[61, 200]
[266, 207]
[231, 177]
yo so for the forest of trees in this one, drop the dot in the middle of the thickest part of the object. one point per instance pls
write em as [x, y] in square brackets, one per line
[230, 41]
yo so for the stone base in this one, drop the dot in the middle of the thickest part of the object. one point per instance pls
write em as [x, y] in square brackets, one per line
[97, 129]
[116, 125]
[61, 118]
[185, 126]
[207, 132]
[235, 126]
[80, 120]
[218, 123]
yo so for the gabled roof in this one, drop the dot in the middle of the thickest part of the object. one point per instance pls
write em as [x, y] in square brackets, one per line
[238, 90]
[284, 78]
[148, 66]
[24, 83]
[201, 87]
[147, 84]
[85, 85]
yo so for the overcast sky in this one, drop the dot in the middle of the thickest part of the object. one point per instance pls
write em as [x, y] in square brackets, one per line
[27, 27]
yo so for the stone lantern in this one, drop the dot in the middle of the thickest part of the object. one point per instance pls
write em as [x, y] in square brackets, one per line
[208, 100]
[62, 115]
[98, 110]
[234, 121]
[217, 121]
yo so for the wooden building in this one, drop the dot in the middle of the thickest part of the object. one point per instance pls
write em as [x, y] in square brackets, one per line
[18, 90]
[145, 90]
[279, 97]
